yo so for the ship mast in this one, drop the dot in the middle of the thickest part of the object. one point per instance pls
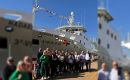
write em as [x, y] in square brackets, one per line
[104, 4]
[101, 3]
[71, 19]
[34, 9]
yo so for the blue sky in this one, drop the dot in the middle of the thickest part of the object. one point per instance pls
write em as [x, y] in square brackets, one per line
[120, 10]
[19, 5]
[85, 12]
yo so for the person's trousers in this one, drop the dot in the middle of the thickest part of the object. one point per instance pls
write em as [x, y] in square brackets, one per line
[44, 69]
[88, 65]
[61, 66]
[77, 66]
[53, 68]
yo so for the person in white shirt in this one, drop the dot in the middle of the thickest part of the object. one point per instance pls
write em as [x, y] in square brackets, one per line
[116, 72]
[103, 74]
[87, 61]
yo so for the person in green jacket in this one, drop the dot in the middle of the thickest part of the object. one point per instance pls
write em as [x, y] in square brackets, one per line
[20, 73]
[44, 65]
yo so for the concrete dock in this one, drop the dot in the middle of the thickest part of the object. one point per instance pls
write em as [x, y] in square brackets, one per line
[80, 76]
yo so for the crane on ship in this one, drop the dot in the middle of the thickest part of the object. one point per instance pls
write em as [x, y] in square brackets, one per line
[36, 8]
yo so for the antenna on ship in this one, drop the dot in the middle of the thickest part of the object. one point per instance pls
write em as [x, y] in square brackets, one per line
[101, 3]
[107, 5]
[84, 17]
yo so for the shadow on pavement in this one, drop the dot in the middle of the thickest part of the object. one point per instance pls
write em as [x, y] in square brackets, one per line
[72, 75]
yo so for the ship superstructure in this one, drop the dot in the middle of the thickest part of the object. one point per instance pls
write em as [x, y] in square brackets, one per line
[75, 32]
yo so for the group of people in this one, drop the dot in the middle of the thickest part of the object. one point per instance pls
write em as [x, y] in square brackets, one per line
[53, 62]
[116, 72]
[23, 70]
[49, 63]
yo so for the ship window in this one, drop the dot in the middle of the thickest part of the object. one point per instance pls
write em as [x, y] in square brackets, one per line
[108, 46]
[100, 26]
[80, 41]
[108, 32]
[115, 38]
[111, 35]
[84, 43]
[76, 29]
[80, 34]
[67, 30]
[99, 41]
[3, 43]
[84, 37]
[35, 41]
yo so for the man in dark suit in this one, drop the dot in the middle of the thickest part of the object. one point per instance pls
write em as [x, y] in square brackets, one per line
[9, 68]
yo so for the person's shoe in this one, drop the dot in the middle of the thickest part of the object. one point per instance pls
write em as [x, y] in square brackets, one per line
[48, 77]
[44, 78]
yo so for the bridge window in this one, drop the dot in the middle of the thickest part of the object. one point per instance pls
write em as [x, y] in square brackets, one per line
[67, 30]
[108, 32]
[3, 43]
[108, 46]
[115, 38]
[76, 29]
[80, 34]
[99, 41]
[100, 26]
[80, 41]
[111, 35]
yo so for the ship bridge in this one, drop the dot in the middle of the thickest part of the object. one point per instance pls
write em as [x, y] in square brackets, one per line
[72, 29]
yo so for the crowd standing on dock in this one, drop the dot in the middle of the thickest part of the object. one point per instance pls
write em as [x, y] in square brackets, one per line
[49, 63]
[53, 62]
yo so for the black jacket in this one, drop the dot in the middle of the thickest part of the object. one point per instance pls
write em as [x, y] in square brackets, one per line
[8, 70]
